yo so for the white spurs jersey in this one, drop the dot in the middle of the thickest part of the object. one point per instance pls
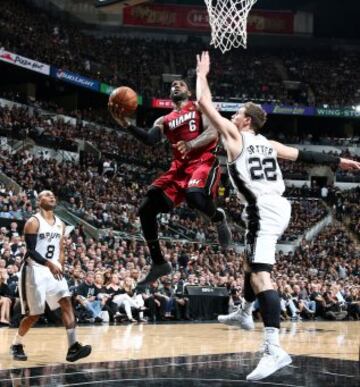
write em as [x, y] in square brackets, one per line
[48, 239]
[255, 172]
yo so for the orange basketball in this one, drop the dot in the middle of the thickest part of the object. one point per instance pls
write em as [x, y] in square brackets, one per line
[126, 99]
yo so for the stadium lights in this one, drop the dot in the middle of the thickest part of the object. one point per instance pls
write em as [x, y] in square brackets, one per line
[357, 108]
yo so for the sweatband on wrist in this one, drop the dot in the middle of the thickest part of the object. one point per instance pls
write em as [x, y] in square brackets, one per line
[318, 158]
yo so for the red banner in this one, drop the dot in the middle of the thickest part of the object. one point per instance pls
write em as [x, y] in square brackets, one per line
[162, 103]
[197, 19]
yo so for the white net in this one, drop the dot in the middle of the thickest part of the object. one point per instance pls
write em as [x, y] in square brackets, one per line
[228, 20]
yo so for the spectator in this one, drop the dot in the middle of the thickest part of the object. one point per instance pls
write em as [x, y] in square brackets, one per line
[5, 299]
[86, 296]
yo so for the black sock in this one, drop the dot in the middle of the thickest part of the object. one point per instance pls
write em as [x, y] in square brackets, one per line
[249, 294]
[155, 252]
[270, 308]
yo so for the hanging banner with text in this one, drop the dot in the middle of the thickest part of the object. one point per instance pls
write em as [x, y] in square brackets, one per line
[76, 79]
[197, 19]
[232, 107]
[22, 61]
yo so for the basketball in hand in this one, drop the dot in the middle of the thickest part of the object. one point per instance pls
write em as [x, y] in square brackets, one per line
[125, 99]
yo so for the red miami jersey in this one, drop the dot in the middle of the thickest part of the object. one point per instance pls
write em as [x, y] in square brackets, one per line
[185, 125]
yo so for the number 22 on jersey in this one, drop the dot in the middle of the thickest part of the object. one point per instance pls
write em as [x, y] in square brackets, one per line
[262, 168]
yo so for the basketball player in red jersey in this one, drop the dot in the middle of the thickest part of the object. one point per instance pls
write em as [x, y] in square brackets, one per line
[193, 176]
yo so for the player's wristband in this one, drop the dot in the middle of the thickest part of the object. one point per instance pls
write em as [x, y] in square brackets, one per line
[148, 137]
[318, 158]
[30, 240]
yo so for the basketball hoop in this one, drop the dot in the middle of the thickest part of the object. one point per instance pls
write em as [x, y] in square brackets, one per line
[228, 20]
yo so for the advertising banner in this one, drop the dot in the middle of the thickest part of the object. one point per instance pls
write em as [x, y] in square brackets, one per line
[167, 16]
[269, 108]
[21, 61]
[232, 107]
[289, 110]
[196, 18]
[75, 79]
[162, 103]
[341, 112]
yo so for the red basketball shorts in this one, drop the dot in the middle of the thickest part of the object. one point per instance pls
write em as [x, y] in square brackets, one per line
[202, 174]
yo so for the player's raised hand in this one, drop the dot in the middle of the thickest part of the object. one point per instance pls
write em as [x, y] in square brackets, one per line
[203, 63]
[117, 115]
[56, 270]
[348, 164]
[183, 147]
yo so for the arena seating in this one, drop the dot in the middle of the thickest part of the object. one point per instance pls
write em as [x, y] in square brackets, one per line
[320, 279]
[320, 269]
[253, 75]
[114, 144]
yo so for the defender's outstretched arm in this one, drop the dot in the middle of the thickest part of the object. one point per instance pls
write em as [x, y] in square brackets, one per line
[294, 154]
[203, 95]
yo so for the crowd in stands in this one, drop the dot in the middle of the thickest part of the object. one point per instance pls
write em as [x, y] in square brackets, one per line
[346, 207]
[311, 137]
[110, 198]
[304, 213]
[321, 279]
[343, 90]
[14, 206]
[54, 131]
[101, 198]
[252, 74]
[348, 176]
[300, 171]
[305, 136]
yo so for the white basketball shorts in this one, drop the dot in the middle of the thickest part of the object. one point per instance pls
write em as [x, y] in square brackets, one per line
[38, 286]
[266, 222]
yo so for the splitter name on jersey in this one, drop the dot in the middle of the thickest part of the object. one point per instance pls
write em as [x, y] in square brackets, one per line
[262, 149]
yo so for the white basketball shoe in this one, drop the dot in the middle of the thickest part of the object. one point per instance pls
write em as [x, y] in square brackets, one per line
[238, 318]
[273, 359]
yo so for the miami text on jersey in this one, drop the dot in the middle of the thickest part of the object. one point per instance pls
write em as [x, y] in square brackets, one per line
[180, 120]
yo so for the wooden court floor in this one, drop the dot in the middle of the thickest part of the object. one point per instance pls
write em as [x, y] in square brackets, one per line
[333, 345]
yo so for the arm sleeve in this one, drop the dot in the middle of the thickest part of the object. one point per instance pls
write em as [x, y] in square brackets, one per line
[30, 240]
[148, 137]
[318, 158]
